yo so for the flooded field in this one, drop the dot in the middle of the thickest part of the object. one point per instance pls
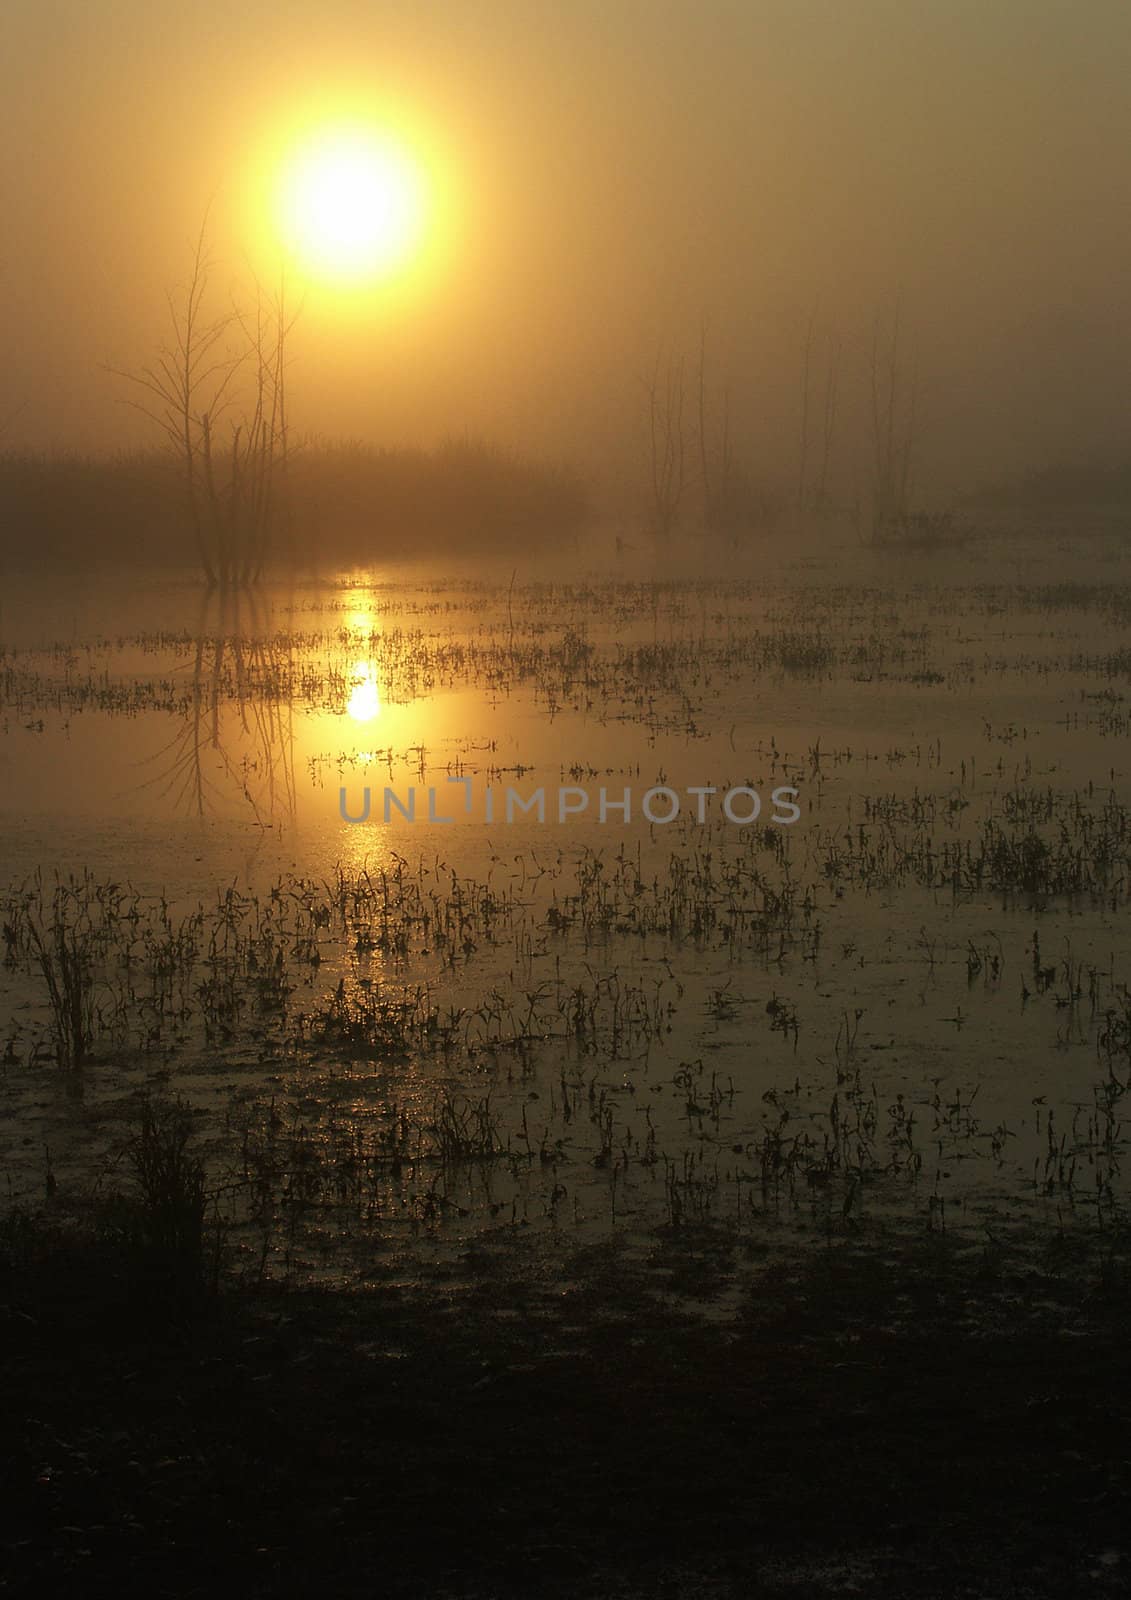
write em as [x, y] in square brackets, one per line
[897, 991]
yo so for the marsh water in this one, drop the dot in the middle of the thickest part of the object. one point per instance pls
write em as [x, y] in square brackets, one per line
[395, 1034]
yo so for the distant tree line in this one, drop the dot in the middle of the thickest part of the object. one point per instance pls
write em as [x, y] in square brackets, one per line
[344, 502]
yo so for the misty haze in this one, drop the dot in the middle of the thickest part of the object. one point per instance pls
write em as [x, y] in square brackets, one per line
[565, 1024]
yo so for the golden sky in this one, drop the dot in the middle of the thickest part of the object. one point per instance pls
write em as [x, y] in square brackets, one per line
[603, 175]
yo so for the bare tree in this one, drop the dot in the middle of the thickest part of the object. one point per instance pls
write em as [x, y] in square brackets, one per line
[716, 464]
[893, 429]
[734, 503]
[230, 489]
[704, 465]
[812, 494]
[666, 437]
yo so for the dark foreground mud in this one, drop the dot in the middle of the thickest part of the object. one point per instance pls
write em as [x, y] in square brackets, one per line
[891, 1416]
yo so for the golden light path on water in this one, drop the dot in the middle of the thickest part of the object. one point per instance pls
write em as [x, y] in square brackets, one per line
[364, 702]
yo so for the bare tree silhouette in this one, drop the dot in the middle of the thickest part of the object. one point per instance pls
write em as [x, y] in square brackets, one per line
[232, 489]
[893, 429]
[666, 439]
[813, 489]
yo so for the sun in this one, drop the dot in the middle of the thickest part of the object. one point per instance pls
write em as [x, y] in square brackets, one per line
[351, 206]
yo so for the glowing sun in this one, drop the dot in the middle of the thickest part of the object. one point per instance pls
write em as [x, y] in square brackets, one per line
[351, 206]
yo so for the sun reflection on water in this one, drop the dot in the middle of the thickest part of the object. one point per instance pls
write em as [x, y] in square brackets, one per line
[365, 701]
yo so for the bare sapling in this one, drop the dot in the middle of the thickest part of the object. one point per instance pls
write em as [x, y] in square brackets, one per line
[220, 373]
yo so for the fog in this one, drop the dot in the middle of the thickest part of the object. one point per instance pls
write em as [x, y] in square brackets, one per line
[607, 183]
[565, 697]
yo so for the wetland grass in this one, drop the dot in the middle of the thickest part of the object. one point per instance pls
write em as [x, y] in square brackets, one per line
[591, 959]
[167, 1227]
[771, 1148]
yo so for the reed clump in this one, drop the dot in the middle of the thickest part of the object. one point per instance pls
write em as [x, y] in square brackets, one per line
[64, 934]
[167, 1225]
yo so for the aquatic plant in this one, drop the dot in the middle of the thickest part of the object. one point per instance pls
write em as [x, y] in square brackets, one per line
[168, 1225]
